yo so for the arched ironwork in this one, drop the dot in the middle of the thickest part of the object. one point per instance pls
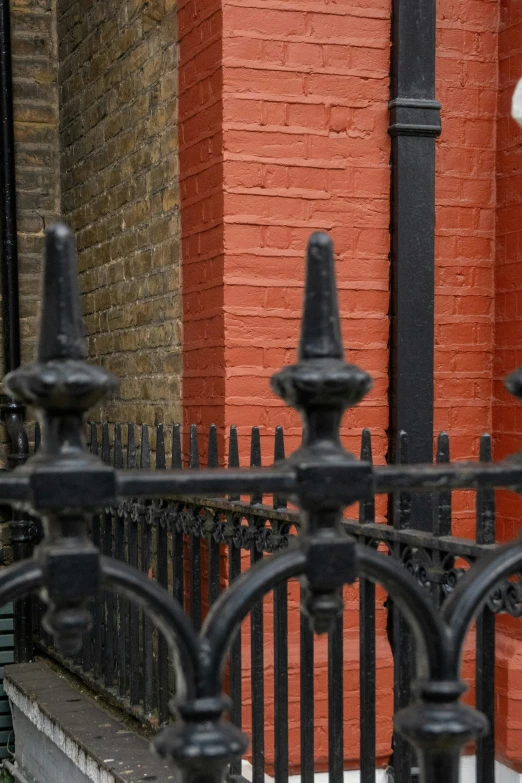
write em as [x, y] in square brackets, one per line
[64, 485]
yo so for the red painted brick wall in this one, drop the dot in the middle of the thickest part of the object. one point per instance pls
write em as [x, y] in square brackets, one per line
[305, 147]
[507, 413]
[297, 139]
[305, 92]
[201, 190]
[283, 116]
[465, 230]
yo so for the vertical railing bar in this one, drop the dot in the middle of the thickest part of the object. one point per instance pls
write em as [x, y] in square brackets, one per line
[89, 646]
[134, 613]
[163, 579]
[367, 674]
[108, 597]
[256, 638]
[178, 576]
[485, 634]
[234, 565]
[146, 546]
[98, 640]
[335, 702]
[195, 541]
[213, 540]
[442, 505]
[401, 634]
[279, 501]
[280, 647]
[255, 461]
[120, 554]
[281, 682]
[233, 455]
[307, 687]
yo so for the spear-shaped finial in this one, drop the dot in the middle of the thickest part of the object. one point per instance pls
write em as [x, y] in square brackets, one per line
[321, 385]
[61, 326]
[321, 377]
[60, 380]
[320, 327]
[67, 482]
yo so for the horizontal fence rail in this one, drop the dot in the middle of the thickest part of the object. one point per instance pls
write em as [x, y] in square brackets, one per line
[196, 546]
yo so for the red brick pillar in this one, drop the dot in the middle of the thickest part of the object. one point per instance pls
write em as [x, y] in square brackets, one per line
[200, 33]
[283, 117]
[507, 413]
[283, 130]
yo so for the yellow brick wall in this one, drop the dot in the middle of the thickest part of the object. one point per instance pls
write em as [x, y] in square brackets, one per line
[119, 178]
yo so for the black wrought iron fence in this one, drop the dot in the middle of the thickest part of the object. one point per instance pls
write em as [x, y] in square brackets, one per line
[194, 547]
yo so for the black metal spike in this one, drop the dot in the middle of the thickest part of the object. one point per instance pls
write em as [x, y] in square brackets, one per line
[144, 447]
[37, 436]
[233, 455]
[212, 457]
[131, 446]
[193, 449]
[93, 443]
[255, 448]
[255, 460]
[60, 380]
[442, 525]
[403, 502]
[485, 499]
[279, 444]
[177, 461]
[118, 447]
[106, 444]
[279, 455]
[320, 330]
[161, 462]
[233, 448]
[366, 507]
[61, 333]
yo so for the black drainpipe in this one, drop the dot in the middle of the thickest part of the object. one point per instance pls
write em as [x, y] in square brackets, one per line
[9, 261]
[414, 125]
[21, 528]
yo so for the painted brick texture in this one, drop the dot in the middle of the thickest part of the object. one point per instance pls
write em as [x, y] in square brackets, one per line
[305, 87]
[465, 230]
[119, 166]
[201, 184]
[283, 129]
[507, 419]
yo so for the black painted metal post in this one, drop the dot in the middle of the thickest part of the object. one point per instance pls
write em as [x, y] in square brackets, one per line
[10, 315]
[414, 125]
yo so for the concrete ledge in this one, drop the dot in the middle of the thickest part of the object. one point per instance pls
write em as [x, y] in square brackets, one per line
[62, 734]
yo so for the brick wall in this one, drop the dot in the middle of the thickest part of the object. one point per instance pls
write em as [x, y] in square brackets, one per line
[507, 420]
[283, 129]
[119, 170]
[35, 95]
[465, 230]
[201, 185]
[306, 147]
[36, 138]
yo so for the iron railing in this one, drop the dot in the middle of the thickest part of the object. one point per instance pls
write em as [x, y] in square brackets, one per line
[66, 487]
[195, 547]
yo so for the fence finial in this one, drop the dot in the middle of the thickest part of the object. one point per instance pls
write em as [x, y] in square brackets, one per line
[320, 329]
[60, 380]
[321, 386]
[61, 332]
[321, 376]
